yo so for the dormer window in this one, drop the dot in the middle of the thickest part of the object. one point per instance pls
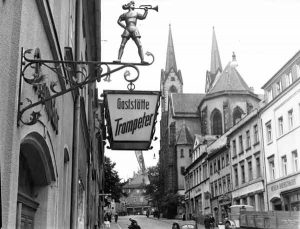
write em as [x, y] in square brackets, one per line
[278, 87]
[172, 78]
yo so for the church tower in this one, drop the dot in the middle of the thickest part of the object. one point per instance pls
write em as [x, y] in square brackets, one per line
[171, 79]
[215, 64]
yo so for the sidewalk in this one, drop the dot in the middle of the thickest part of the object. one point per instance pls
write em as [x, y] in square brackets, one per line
[180, 222]
[113, 225]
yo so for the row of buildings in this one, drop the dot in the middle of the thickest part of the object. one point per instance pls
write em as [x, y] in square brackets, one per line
[229, 145]
[51, 168]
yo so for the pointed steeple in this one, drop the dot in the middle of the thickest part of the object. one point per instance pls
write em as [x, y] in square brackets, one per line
[171, 61]
[215, 62]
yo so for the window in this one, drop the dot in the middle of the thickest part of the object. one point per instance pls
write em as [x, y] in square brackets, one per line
[227, 158]
[220, 186]
[252, 201]
[243, 173]
[233, 148]
[172, 78]
[284, 165]
[248, 140]
[211, 168]
[228, 183]
[212, 189]
[295, 160]
[224, 184]
[216, 119]
[219, 164]
[250, 170]
[182, 170]
[204, 171]
[270, 95]
[289, 79]
[236, 176]
[190, 153]
[258, 169]
[237, 115]
[200, 175]
[216, 188]
[241, 144]
[256, 137]
[215, 166]
[269, 131]
[290, 119]
[272, 168]
[280, 126]
[223, 162]
[181, 153]
[278, 87]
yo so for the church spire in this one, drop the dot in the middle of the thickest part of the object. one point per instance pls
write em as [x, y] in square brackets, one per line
[215, 62]
[171, 61]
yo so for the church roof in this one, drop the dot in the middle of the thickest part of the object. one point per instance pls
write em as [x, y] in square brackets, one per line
[229, 80]
[184, 136]
[171, 61]
[185, 105]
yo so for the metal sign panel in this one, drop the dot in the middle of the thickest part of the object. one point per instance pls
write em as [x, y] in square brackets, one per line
[131, 117]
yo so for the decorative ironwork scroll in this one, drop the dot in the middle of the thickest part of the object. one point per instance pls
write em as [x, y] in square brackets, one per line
[75, 74]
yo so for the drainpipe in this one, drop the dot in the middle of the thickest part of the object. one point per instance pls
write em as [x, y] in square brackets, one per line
[74, 189]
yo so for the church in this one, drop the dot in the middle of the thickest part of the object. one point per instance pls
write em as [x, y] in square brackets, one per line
[185, 117]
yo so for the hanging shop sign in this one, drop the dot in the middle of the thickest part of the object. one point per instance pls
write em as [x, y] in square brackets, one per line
[131, 118]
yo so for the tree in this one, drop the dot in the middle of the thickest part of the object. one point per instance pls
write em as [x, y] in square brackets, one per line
[112, 182]
[154, 189]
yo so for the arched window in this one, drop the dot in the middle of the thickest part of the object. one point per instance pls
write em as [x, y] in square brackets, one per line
[173, 89]
[237, 115]
[216, 122]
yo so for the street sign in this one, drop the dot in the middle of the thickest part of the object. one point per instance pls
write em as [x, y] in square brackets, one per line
[131, 117]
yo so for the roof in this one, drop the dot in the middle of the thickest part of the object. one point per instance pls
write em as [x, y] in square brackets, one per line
[229, 80]
[186, 104]
[184, 136]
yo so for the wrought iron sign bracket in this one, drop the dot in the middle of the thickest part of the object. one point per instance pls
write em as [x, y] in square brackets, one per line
[73, 73]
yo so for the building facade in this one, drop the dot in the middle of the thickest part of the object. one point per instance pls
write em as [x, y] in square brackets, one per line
[280, 119]
[197, 189]
[50, 176]
[247, 163]
[135, 201]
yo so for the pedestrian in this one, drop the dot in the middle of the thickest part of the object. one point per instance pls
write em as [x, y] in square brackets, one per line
[116, 217]
[207, 222]
[183, 217]
[212, 222]
[175, 226]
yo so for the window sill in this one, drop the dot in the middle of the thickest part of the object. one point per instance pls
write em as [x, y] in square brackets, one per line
[248, 148]
[240, 153]
[269, 142]
[234, 157]
[256, 143]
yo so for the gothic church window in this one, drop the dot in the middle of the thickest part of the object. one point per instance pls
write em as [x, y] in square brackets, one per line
[237, 115]
[216, 119]
[173, 89]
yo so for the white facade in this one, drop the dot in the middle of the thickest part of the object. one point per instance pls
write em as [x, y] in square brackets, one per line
[280, 124]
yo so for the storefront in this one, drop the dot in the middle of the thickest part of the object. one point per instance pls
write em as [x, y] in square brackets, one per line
[284, 195]
[224, 205]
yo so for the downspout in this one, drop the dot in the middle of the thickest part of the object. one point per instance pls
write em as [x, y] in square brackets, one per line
[76, 127]
[264, 162]
[74, 192]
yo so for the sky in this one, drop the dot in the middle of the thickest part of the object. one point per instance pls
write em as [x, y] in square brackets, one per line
[264, 34]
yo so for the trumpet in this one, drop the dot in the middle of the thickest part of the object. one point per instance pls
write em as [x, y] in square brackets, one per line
[149, 7]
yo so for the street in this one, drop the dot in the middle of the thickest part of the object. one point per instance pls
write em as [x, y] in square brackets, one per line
[145, 223]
